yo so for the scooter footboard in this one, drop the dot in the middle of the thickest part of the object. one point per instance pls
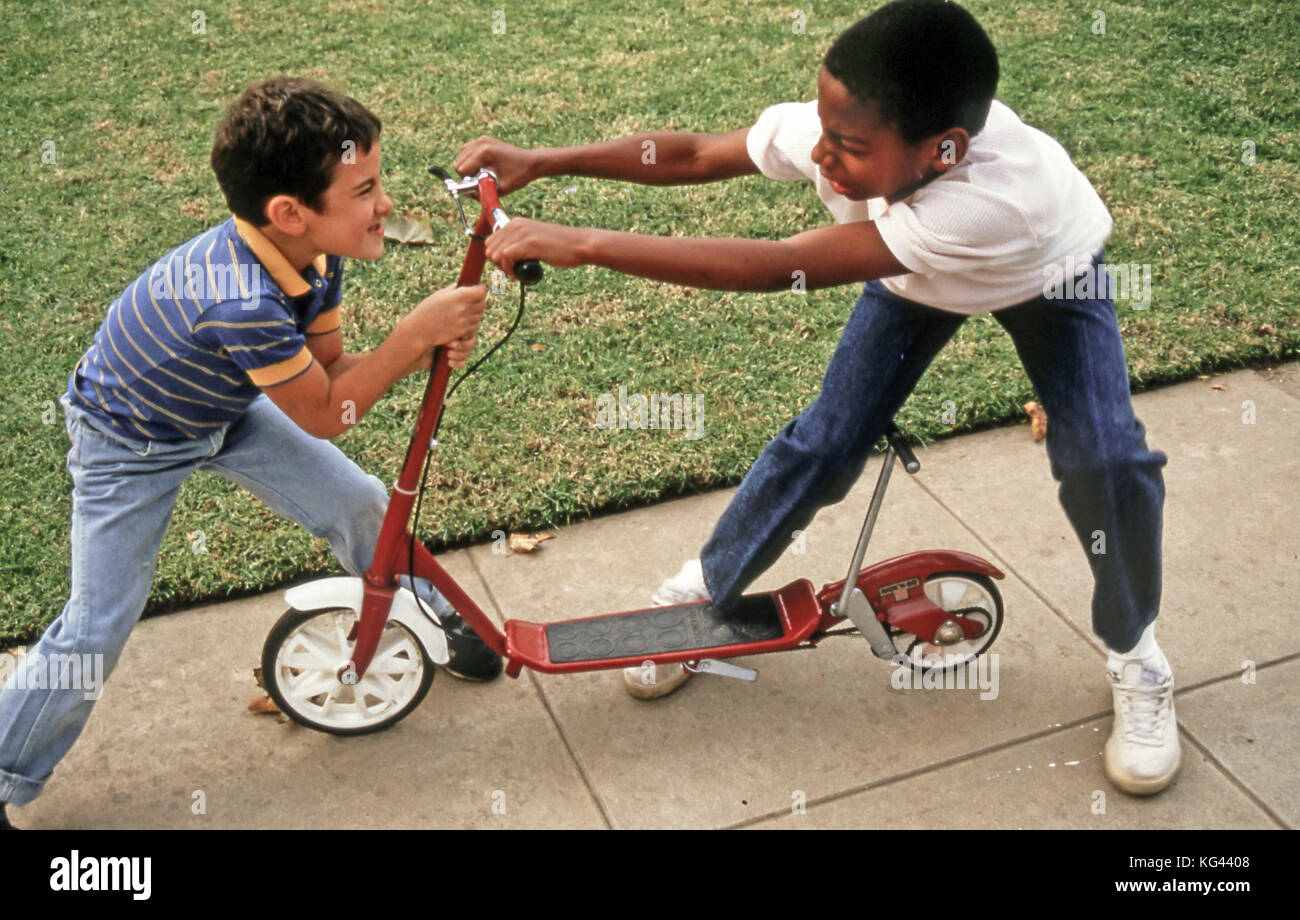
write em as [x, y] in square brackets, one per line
[681, 632]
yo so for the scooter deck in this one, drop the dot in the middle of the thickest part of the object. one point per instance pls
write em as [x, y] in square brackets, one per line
[682, 632]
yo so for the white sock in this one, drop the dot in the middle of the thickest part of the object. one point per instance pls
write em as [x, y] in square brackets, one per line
[1146, 651]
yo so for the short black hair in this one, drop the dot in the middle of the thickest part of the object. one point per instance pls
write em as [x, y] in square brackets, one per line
[285, 136]
[926, 66]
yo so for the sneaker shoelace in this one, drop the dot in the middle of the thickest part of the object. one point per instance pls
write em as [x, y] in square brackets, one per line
[1144, 708]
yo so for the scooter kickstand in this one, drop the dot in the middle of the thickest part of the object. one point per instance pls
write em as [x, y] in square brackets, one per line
[864, 618]
[721, 669]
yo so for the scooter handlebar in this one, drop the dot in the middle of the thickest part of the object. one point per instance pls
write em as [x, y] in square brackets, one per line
[529, 271]
[483, 185]
[895, 438]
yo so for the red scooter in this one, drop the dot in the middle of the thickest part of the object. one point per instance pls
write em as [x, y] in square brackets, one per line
[355, 655]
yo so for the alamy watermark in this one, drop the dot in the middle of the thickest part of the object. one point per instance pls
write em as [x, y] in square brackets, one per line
[1124, 281]
[673, 411]
[239, 281]
[946, 672]
[54, 672]
[103, 873]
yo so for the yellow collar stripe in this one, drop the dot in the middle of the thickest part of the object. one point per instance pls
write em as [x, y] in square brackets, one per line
[274, 261]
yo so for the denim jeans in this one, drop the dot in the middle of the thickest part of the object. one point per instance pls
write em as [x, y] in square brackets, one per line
[1071, 350]
[122, 498]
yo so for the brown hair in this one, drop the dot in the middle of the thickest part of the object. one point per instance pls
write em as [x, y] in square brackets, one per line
[285, 136]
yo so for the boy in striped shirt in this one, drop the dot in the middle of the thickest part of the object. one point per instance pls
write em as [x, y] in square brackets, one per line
[227, 355]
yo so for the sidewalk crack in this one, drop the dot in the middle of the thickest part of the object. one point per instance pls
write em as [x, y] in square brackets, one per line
[583, 774]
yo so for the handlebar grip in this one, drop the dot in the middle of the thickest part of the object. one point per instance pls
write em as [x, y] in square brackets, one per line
[529, 271]
[895, 438]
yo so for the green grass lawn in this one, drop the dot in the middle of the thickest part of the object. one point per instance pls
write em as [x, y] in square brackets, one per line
[1185, 117]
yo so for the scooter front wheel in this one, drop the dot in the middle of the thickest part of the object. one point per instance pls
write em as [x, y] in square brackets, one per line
[302, 666]
[971, 595]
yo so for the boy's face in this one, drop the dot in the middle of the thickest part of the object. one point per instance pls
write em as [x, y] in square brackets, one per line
[861, 157]
[350, 221]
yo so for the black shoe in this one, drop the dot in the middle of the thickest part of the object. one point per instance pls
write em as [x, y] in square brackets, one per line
[470, 657]
[4, 820]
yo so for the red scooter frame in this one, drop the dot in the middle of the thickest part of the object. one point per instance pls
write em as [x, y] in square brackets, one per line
[936, 608]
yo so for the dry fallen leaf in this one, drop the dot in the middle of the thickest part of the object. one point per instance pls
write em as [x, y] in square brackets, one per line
[263, 703]
[526, 543]
[407, 229]
[1218, 386]
[257, 676]
[1037, 420]
[538, 346]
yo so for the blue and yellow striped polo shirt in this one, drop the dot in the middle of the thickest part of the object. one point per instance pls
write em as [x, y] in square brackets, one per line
[191, 342]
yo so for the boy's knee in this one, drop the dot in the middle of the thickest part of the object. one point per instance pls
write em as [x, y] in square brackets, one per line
[352, 514]
[358, 495]
[833, 464]
[371, 505]
[378, 495]
[827, 430]
[358, 523]
[1100, 452]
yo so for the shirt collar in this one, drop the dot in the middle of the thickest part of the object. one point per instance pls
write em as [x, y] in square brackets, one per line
[273, 260]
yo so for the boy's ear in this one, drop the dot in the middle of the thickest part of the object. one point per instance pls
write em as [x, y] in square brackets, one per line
[285, 213]
[948, 149]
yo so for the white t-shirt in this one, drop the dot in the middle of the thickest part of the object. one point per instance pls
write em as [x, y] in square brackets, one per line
[989, 233]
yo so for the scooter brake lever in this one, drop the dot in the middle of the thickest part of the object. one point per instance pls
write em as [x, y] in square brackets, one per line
[454, 188]
[468, 185]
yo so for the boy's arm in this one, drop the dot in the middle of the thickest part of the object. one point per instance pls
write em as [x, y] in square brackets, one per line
[328, 350]
[326, 347]
[819, 258]
[654, 158]
[326, 400]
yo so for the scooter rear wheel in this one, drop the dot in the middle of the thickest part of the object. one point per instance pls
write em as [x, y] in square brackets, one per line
[301, 662]
[969, 594]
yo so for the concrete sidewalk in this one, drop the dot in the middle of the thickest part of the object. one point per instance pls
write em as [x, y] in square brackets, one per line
[822, 739]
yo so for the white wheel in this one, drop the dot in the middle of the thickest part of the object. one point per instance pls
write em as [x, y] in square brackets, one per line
[970, 595]
[304, 653]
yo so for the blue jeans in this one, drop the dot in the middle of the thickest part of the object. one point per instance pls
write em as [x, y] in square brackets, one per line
[123, 494]
[1109, 481]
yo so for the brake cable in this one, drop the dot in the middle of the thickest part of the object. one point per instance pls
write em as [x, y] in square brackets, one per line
[424, 472]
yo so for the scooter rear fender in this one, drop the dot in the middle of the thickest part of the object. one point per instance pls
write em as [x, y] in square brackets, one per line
[895, 580]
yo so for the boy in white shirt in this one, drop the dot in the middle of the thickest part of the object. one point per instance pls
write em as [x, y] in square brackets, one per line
[947, 205]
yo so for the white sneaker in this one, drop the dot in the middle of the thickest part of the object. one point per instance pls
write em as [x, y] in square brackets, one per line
[651, 681]
[1143, 753]
[686, 587]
